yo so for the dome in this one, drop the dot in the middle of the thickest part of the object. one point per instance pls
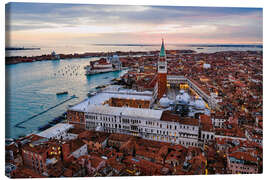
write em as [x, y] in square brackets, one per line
[192, 103]
[115, 57]
[199, 103]
[165, 102]
[182, 91]
[183, 97]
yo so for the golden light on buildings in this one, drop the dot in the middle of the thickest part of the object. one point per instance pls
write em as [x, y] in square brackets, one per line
[184, 86]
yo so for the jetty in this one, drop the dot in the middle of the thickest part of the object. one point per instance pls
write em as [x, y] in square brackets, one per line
[18, 125]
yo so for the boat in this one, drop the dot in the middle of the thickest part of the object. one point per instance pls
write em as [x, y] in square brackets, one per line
[101, 86]
[62, 93]
[44, 127]
[110, 64]
[74, 96]
[57, 120]
[199, 48]
[89, 94]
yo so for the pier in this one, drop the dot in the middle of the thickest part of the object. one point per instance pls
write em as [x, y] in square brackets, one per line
[18, 125]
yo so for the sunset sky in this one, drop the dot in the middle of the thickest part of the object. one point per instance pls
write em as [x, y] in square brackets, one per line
[37, 24]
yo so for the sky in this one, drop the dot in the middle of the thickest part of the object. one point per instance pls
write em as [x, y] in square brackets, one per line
[84, 24]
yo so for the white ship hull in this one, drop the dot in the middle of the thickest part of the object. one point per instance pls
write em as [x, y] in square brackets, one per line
[100, 71]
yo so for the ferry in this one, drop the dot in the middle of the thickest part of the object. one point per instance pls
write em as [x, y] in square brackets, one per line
[104, 65]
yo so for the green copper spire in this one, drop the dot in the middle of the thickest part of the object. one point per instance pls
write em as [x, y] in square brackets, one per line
[162, 50]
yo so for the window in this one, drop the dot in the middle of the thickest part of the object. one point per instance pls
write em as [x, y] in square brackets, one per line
[161, 67]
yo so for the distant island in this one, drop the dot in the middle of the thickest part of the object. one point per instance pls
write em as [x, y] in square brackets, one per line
[20, 48]
[190, 45]
[227, 45]
[126, 44]
[47, 57]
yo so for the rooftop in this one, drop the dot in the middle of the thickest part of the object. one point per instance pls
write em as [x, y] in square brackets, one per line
[125, 111]
[102, 97]
[53, 131]
[169, 116]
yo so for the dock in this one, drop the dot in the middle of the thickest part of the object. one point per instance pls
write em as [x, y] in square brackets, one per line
[18, 125]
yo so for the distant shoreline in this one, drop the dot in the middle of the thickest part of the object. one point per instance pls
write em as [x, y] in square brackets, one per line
[20, 48]
[49, 57]
[189, 45]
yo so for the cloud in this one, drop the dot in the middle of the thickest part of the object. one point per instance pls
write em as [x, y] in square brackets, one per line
[105, 20]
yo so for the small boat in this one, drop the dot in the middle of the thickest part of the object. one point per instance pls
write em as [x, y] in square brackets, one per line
[44, 127]
[74, 96]
[89, 94]
[62, 93]
[102, 86]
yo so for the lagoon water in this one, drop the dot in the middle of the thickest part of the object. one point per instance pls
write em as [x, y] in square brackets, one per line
[31, 88]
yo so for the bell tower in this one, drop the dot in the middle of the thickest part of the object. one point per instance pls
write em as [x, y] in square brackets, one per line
[162, 72]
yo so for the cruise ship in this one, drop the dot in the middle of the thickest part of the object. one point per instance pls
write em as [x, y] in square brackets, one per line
[104, 65]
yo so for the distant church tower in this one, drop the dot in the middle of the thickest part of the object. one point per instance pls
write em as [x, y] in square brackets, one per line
[161, 84]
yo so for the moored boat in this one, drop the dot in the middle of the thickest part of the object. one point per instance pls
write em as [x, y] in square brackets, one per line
[62, 93]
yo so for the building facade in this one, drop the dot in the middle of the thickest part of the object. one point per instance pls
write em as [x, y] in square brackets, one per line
[146, 123]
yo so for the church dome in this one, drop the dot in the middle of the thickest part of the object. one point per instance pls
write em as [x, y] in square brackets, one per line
[199, 103]
[165, 102]
[183, 97]
[115, 57]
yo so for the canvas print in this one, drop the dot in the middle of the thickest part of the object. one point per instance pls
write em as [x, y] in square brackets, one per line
[122, 90]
